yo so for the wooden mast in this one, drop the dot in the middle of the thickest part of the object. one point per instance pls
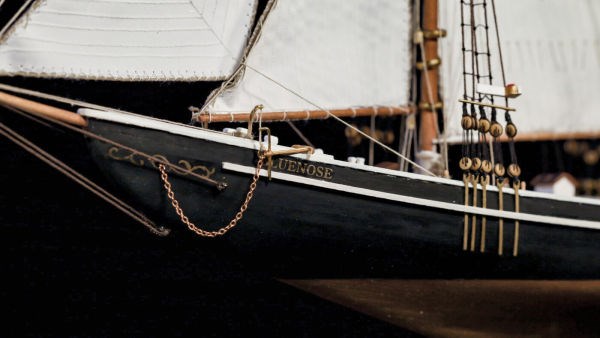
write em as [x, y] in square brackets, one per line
[427, 130]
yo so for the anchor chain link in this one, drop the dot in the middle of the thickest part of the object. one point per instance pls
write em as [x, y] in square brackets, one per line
[238, 216]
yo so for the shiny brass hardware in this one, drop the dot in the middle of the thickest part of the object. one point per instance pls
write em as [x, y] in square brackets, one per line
[268, 153]
[434, 33]
[426, 106]
[487, 105]
[251, 120]
[432, 63]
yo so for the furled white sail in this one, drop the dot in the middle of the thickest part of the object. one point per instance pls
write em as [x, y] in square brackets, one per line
[551, 49]
[326, 55]
[177, 40]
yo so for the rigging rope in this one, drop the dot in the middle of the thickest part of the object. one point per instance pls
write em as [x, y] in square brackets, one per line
[13, 18]
[298, 132]
[511, 129]
[444, 146]
[466, 180]
[99, 107]
[57, 98]
[488, 153]
[485, 181]
[500, 184]
[80, 179]
[444, 135]
[218, 185]
[341, 121]
[239, 71]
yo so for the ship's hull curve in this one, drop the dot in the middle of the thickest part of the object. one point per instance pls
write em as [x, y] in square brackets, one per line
[308, 230]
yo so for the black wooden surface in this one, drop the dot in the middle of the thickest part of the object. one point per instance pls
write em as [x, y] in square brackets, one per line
[307, 232]
[73, 266]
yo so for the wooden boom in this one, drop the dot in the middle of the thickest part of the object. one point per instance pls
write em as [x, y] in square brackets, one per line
[37, 108]
[306, 114]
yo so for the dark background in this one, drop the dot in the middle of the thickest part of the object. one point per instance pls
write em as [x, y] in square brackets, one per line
[71, 265]
[74, 266]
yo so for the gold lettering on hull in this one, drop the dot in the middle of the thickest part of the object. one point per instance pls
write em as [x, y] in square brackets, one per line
[303, 168]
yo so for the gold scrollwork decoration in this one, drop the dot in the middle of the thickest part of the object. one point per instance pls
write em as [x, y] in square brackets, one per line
[116, 154]
[161, 159]
[204, 171]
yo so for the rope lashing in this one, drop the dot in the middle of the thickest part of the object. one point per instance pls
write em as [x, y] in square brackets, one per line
[516, 187]
[466, 179]
[474, 179]
[500, 184]
[484, 180]
[80, 179]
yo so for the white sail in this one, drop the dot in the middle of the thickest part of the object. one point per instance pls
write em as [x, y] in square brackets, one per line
[179, 40]
[326, 54]
[551, 49]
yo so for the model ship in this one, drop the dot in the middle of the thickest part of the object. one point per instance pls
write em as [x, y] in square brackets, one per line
[294, 206]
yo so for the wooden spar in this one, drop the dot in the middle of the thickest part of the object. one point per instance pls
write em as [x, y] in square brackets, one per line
[307, 114]
[487, 105]
[550, 136]
[427, 130]
[537, 137]
[42, 109]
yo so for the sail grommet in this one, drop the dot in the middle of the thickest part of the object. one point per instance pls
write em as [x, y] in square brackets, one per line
[465, 163]
[496, 129]
[514, 170]
[499, 170]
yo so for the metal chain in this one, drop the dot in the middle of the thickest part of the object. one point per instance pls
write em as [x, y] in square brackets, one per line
[165, 178]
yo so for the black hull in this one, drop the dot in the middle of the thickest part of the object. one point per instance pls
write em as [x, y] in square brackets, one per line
[302, 231]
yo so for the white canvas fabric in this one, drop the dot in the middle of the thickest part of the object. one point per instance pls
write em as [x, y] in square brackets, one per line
[129, 39]
[551, 50]
[329, 54]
